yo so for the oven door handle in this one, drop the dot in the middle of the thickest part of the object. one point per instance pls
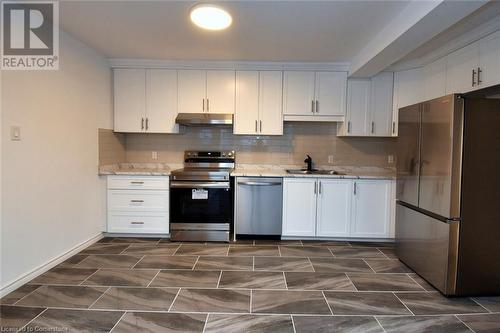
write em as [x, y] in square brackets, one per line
[194, 185]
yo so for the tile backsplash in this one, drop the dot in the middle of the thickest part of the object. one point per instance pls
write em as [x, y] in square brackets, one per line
[300, 138]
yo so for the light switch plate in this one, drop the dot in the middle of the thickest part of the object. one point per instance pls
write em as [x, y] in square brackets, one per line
[15, 133]
[330, 159]
[154, 155]
[390, 159]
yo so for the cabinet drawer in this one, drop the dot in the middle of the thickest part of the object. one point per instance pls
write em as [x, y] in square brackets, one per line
[138, 200]
[125, 222]
[136, 182]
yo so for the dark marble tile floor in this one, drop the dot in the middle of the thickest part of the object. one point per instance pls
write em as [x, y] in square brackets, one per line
[155, 285]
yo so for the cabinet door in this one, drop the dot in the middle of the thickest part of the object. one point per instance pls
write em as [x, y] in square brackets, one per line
[408, 88]
[161, 101]
[459, 67]
[246, 116]
[489, 60]
[129, 99]
[358, 101]
[271, 103]
[371, 208]
[334, 207]
[434, 76]
[381, 104]
[220, 91]
[192, 91]
[330, 91]
[299, 207]
[298, 93]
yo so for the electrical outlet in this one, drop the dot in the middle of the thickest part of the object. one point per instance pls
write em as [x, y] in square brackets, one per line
[330, 159]
[390, 159]
[154, 155]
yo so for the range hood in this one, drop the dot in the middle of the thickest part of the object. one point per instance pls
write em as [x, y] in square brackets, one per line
[193, 119]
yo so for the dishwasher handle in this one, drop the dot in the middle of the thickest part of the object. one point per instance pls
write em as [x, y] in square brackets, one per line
[260, 183]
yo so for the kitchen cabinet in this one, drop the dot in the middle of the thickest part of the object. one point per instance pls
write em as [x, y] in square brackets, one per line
[206, 91]
[299, 207]
[334, 207]
[461, 69]
[314, 96]
[331, 207]
[371, 208]
[434, 79]
[138, 204]
[369, 107]
[489, 60]
[258, 108]
[145, 100]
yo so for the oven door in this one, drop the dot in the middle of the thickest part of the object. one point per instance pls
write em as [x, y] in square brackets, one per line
[194, 202]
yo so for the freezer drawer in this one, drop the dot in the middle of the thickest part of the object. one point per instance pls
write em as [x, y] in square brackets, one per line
[258, 206]
[429, 246]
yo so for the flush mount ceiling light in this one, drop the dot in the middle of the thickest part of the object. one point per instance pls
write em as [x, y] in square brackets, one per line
[210, 17]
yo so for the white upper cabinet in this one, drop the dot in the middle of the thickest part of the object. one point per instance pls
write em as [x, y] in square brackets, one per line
[246, 115]
[258, 103]
[330, 93]
[371, 209]
[299, 207]
[461, 69]
[145, 100]
[380, 120]
[271, 103]
[161, 101]
[314, 96]
[129, 100]
[298, 93]
[220, 91]
[192, 91]
[358, 99]
[334, 207]
[408, 88]
[489, 60]
[206, 91]
[369, 107]
[434, 79]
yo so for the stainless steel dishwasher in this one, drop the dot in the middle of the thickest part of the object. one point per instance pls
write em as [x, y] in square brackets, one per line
[258, 206]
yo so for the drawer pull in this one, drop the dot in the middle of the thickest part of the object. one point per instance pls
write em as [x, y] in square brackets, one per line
[136, 222]
[136, 182]
[137, 201]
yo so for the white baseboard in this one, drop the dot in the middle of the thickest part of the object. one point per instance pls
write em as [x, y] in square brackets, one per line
[48, 265]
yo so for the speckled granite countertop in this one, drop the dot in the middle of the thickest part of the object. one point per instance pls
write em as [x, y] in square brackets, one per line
[250, 170]
[351, 172]
[135, 169]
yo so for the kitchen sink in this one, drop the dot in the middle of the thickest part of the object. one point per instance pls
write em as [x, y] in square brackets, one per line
[314, 172]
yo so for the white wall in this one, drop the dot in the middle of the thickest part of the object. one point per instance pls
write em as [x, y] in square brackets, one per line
[52, 198]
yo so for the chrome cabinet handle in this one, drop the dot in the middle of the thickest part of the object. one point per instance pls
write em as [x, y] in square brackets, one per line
[349, 126]
[136, 201]
[136, 222]
[317, 107]
[473, 77]
[479, 71]
[312, 106]
[255, 126]
[142, 123]
[315, 187]
[355, 188]
[260, 183]
[373, 127]
[393, 127]
[147, 124]
[203, 106]
[136, 183]
[208, 105]
[260, 122]
[319, 190]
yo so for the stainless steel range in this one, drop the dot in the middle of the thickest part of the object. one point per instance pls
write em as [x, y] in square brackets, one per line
[202, 196]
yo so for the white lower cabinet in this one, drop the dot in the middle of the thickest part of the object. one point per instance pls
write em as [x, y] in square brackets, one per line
[138, 204]
[371, 209]
[323, 207]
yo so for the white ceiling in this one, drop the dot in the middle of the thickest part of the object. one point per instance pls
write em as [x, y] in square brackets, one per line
[311, 31]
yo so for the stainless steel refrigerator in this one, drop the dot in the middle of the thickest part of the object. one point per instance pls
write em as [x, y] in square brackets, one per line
[448, 193]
